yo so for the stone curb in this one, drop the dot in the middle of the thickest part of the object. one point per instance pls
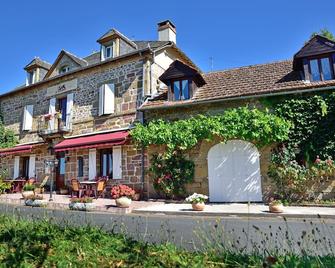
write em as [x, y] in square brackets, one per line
[236, 215]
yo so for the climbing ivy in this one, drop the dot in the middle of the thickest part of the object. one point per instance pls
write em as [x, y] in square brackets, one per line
[260, 127]
[172, 170]
[313, 130]
[7, 136]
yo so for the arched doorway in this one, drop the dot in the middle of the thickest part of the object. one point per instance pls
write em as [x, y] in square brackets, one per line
[234, 172]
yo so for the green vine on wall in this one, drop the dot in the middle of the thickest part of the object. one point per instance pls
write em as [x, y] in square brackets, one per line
[259, 127]
[7, 136]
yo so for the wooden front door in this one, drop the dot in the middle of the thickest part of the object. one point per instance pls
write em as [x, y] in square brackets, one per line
[60, 172]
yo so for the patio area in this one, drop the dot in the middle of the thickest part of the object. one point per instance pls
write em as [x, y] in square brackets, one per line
[62, 202]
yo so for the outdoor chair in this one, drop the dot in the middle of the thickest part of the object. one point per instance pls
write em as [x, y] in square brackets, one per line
[40, 187]
[100, 188]
[76, 187]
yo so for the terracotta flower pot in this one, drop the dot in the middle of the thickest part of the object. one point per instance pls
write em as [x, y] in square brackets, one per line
[25, 194]
[198, 206]
[123, 202]
[276, 208]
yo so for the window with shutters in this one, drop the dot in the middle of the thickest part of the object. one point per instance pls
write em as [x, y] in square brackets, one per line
[106, 99]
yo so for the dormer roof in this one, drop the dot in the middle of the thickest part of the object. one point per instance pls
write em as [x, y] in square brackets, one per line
[178, 70]
[317, 45]
[79, 61]
[112, 34]
[37, 63]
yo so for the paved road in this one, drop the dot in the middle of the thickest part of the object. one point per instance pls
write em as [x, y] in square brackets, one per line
[316, 236]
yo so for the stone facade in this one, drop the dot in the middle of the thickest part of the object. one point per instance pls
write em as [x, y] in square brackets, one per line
[126, 75]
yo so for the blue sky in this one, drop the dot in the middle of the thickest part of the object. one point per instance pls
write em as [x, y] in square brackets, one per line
[234, 33]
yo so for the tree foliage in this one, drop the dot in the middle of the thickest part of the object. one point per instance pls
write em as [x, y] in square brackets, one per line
[325, 33]
[7, 137]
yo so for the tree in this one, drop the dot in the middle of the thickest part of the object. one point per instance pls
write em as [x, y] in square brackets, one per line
[7, 137]
[325, 33]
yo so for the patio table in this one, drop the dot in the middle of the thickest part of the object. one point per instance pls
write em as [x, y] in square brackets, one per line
[89, 185]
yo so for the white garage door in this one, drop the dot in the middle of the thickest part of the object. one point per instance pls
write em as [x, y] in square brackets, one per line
[234, 172]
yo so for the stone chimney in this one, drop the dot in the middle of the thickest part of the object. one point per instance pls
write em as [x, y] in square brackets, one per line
[167, 31]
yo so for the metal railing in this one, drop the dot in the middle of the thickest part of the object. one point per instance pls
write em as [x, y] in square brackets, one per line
[51, 124]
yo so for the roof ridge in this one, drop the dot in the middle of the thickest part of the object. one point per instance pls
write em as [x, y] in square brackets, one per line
[247, 66]
[73, 55]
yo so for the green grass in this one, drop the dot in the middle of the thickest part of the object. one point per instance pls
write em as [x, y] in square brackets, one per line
[42, 244]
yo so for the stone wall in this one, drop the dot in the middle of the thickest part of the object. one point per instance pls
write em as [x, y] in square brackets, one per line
[127, 77]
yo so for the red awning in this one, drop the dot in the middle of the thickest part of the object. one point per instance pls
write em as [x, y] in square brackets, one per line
[94, 141]
[16, 150]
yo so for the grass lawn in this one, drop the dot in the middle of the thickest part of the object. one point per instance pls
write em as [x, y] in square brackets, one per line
[41, 244]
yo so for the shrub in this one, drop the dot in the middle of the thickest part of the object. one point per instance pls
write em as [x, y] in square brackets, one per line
[122, 190]
[81, 200]
[171, 174]
[29, 187]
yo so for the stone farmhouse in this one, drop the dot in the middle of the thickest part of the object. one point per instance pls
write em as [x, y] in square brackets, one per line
[78, 111]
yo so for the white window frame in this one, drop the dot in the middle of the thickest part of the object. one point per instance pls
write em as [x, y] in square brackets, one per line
[64, 69]
[30, 78]
[111, 52]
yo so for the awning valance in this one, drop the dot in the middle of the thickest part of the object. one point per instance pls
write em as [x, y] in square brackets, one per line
[19, 149]
[94, 141]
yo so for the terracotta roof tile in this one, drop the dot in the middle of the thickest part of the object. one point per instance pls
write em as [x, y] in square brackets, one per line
[244, 81]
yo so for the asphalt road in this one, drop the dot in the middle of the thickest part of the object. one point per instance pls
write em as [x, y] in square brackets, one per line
[263, 235]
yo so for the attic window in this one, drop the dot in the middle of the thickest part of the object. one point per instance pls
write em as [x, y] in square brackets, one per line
[181, 89]
[109, 52]
[30, 77]
[320, 69]
[64, 69]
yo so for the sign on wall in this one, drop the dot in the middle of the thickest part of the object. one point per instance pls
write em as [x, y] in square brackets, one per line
[62, 87]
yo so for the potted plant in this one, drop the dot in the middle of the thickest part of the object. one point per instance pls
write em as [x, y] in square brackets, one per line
[122, 195]
[197, 201]
[28, 190]
[35, 201]
[83, 204]
[276, 206]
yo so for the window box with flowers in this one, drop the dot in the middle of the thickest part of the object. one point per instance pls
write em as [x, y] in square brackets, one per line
[123, 195]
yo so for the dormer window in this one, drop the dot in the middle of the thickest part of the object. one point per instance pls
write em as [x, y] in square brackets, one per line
[109, 52]
[181, 90]
[30, 78]
[64, 69]
[321, 69]
[316, 60]
[182, 81]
